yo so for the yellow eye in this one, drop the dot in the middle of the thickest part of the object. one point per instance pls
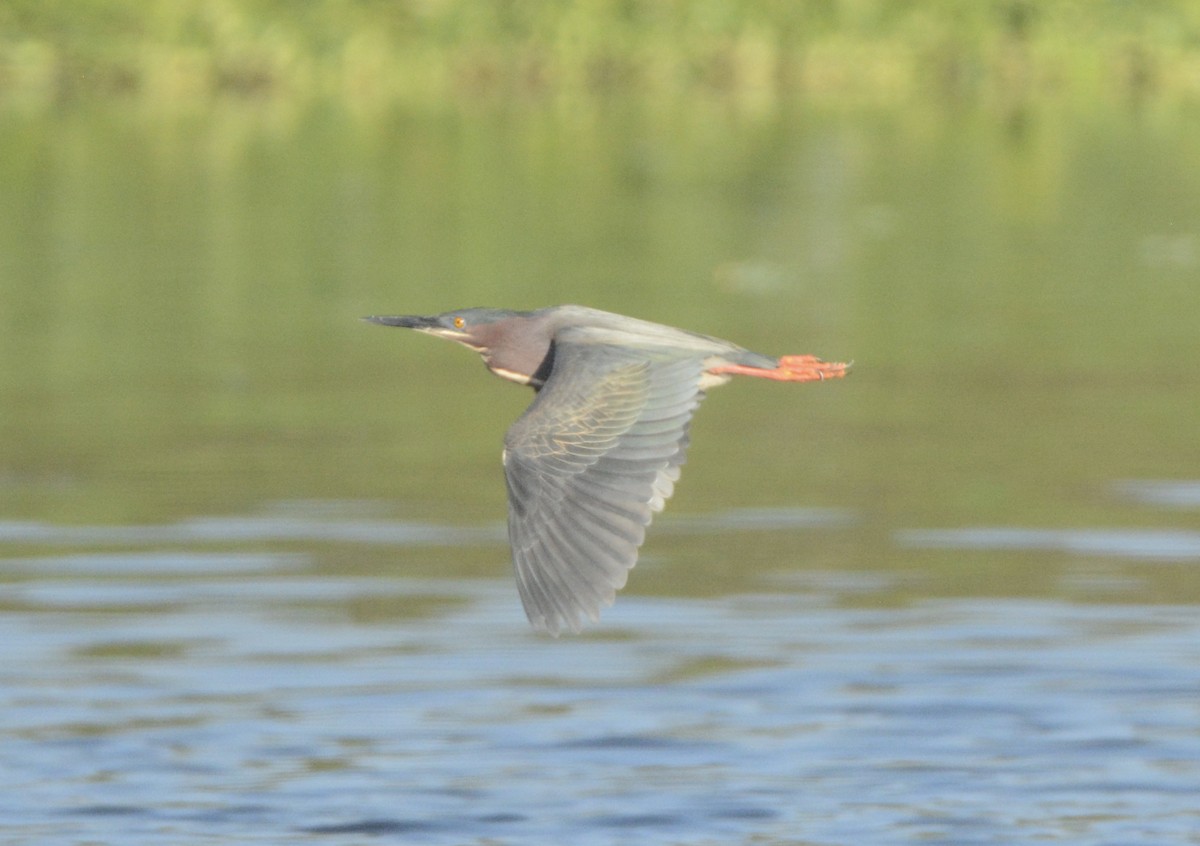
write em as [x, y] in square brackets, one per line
[459, 323]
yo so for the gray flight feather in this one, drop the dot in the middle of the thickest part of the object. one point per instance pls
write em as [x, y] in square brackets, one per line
[587, 465]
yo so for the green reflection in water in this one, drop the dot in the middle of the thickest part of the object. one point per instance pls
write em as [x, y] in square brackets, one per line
[179, 309]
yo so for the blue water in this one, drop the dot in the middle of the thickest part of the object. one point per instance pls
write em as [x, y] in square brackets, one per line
[199, 695]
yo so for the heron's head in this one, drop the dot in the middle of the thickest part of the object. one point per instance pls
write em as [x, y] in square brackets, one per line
[514, 344]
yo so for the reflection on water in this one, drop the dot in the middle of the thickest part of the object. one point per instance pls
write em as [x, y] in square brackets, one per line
[250, 528]
[1126, 543]
[1174, 494]
[155, 687]
[284, 527]
[253, 576]
[140, 707]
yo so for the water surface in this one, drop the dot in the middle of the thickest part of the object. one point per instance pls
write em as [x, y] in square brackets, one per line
[253, 576]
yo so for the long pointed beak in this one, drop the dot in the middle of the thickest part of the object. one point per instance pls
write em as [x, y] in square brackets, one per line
[405, 321]
[428, 325]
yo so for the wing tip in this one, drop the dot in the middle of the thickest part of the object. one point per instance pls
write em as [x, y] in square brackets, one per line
[572, 622]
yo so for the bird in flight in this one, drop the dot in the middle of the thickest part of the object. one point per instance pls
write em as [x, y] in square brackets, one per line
[598, 451]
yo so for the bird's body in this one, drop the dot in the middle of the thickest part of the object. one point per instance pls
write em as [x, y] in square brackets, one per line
[598, 451]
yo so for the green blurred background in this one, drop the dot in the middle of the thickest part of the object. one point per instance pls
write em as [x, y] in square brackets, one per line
[992, 207]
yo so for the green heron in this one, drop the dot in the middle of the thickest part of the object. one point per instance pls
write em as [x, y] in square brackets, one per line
[598, 451]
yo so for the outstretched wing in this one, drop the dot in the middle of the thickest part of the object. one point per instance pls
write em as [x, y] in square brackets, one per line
[587, 465]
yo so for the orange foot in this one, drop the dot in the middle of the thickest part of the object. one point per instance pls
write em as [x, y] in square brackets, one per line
[792, 368]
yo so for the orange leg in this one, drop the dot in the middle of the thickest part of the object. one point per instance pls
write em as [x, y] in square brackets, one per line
[792, 368]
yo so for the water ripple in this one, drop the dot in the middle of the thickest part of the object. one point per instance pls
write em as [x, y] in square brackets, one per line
[1172, 494]
[294, 527]
[1154, 544]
